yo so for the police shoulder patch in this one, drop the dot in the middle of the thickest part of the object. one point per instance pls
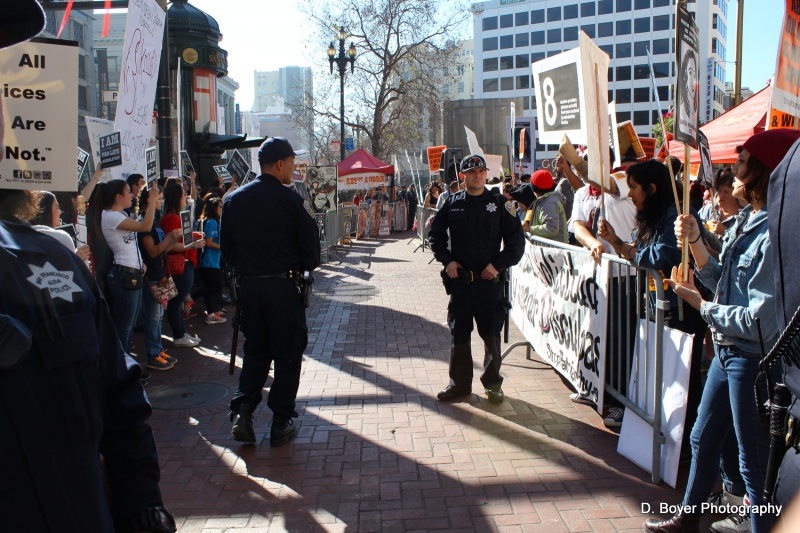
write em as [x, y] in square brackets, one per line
[307, 206]
[510, 208]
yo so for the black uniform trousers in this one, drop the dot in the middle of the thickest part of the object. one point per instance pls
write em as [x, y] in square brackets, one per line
[482, 301]
[274, 325]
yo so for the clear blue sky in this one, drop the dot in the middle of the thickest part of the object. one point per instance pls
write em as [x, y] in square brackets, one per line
[763, 20]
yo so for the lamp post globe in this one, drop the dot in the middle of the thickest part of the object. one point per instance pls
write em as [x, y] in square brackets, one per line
[341, 62]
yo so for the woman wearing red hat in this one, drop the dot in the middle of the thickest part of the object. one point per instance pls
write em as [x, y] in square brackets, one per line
[547, 218]
[744, 291]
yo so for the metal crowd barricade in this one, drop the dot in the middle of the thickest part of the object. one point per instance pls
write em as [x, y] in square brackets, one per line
[422, 217]
[628, 304]
[331, 230]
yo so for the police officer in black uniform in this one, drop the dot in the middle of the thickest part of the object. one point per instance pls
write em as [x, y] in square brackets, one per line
[479, 221]
[412, 199]
[269, 234]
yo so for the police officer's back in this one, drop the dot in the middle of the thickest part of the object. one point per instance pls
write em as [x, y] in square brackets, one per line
[479, 222]
[269, 236]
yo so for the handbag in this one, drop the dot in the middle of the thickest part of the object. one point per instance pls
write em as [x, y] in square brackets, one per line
[132, 278]
[165, 289]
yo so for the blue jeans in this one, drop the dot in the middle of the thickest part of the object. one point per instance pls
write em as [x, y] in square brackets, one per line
[153, 313]
[729, 403]
[126, 308]
[183, 282]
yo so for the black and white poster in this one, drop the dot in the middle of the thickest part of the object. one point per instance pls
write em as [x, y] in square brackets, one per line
[238, 167]
[223, 173]
[111, 150]
[250, 177]
[83, 160]
[186, 163]
[186, 227]
[321, 186]
[152, 164]
[558, 86]
[522, 144]
[705, 156]
[687, 92]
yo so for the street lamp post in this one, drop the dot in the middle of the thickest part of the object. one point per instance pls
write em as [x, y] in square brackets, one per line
[341, 61]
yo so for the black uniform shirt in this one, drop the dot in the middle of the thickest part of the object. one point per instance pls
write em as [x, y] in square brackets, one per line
[266, 229]
[411, 197]
[478, 225]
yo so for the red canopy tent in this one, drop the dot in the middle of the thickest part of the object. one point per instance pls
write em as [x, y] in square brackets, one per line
[731, 129]
[362, 171]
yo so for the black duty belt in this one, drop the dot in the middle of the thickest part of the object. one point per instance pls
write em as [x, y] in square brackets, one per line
[466, 277]
[283, 275]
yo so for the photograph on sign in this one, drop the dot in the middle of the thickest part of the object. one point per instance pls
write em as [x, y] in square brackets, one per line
[558, 85]
[152, 164]
[83, 160]
[186, 163]
[707, 172]
[141, 55]
[321, 185]
[528, 125]
[41, 110]
[96, 128]
[238, 168]
[687, 89]
[186, 227]
[110, 150]
[223, 174]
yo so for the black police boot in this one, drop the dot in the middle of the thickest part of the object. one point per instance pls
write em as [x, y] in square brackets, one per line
[283, 430]
[242, 429]
[451, 392]
[495, 394]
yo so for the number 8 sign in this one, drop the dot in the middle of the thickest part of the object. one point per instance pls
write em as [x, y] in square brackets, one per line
[559, 92]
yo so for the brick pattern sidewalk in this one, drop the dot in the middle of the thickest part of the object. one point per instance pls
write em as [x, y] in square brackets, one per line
[376, 450]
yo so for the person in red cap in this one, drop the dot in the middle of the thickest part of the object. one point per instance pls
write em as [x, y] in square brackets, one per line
[546, 217]
[744, 296]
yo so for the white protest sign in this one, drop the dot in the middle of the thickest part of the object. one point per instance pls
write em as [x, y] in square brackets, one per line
[98, 127]
[83, 159]
[613, 134]
[558, 84]
[141, 55]
[40, 99]
[472, 142]
[594, 70]
[559, 303]
[494, 165]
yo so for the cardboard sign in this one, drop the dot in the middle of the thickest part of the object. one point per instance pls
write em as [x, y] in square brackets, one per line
[83, 160]
[111, 150]
[649, 147]
[687, 90]
[435, 157]
[96, 128]
[628, 141]
[223, 173]
[558, 86]
[383, 229]
[250, 177]
[785, 86]
[707, 172]
[186, 163]
[472, 142]
[170, 173]
[186, 227]
[40, 97]
[238, 168]
[141, 55]
[321, 186]
[152, 164]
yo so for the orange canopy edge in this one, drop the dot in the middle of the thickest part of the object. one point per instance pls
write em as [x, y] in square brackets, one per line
[361, 161]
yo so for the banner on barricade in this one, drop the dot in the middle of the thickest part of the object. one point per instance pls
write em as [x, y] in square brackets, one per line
[321, 185]
[355, 182]
[559, 300]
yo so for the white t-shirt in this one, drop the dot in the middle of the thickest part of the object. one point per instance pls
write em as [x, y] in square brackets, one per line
[122, 243]
[59, 235]
[620, 213]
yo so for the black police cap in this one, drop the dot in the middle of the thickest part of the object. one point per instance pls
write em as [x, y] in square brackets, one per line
[275, 149]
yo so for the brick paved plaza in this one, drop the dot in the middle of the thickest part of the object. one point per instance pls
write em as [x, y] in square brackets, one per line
[376, 450]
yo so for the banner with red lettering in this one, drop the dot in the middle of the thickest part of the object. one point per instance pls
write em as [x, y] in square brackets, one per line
[355, 182]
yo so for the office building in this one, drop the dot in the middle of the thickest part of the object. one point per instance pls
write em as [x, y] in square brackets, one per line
[287, 87]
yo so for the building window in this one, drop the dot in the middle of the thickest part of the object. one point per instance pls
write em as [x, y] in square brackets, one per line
[587, 9]
[623, 5]
[81, 67]
[660, 3]
[623, 73]
[490, 64]
[523, 82]
[660, 46]
[622, 116]
[461, 87]
[610, 73]
[661, 22]
[553, 14]
[571, 34]
[719, 72]
[640, 48]
[623, 96]
[489, 43]
[717, 48]
[605, 29]
[608, 49]
[723, 6]
[537, 56]
[588, 29]
[537, 16]
[553, 53]
[522, 39]
[623, 50]
[523, 61]
[571, 12]
[521, 19]
[507, 84]
[446, 89]
[461, 70]
[610, 95]
[641, 94]
[656, 119]
[490, 86]
[641, 72]
[641, 25]
[537, 37]
[623, 27]
[604, 7]
[554, 35]
[50, 25]
[506, 21]
[83, 100]
[507, 63]
[641, 4]
[77, 34]
[526, 104]
[718, 25]
[641, 118]
[663, 93]
[489, 23]
[506, 41]
[661, 70]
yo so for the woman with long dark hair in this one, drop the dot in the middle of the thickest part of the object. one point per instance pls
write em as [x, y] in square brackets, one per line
[48, 219]
[126, 271]
[181, 268]
[208, 265]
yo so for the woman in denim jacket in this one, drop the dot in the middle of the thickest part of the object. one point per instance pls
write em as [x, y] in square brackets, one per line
[744, 291]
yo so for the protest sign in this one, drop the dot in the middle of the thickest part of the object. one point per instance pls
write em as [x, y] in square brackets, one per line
[141, 55]
[786, 84]
[613, 135]
[186, 163]
[186, 227]
[238, 168]
[250, 177]
[110, 150]
[170, 173]
[83, 160]
[435, 157]
[707, 173]
[152, 164]
[594, 72]
[383, 228]
[96, 128]
[321, 186]
[559, 303]
[41, 110]
[687, 93]
[649, 147]
[559, 87]
[522, 144]
[494, 166]
[472, 142]
[223, 173]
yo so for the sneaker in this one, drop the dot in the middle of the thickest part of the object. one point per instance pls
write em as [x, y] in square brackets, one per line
[214, 318]
[190, 314]
[733, 523]
[583, 399]
[614, 418]
[187, 341]
[169, 358]
[495, 394]
[222, 312]
[195, 337]
[160, 363]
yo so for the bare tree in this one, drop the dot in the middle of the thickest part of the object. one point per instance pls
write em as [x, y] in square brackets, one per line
[404, 48]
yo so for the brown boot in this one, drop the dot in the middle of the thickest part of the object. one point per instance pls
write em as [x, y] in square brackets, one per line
[680, 523]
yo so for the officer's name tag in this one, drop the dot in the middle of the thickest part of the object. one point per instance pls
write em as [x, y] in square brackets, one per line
[59, 282]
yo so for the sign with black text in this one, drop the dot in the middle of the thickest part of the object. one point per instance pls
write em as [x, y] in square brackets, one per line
[687, 92]
[223, 173]
[40, 97]
[186, 163]
[559, 86]
[152, 164]
[238, 167]
[83, 160]
[186, 227]
[110, 150]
